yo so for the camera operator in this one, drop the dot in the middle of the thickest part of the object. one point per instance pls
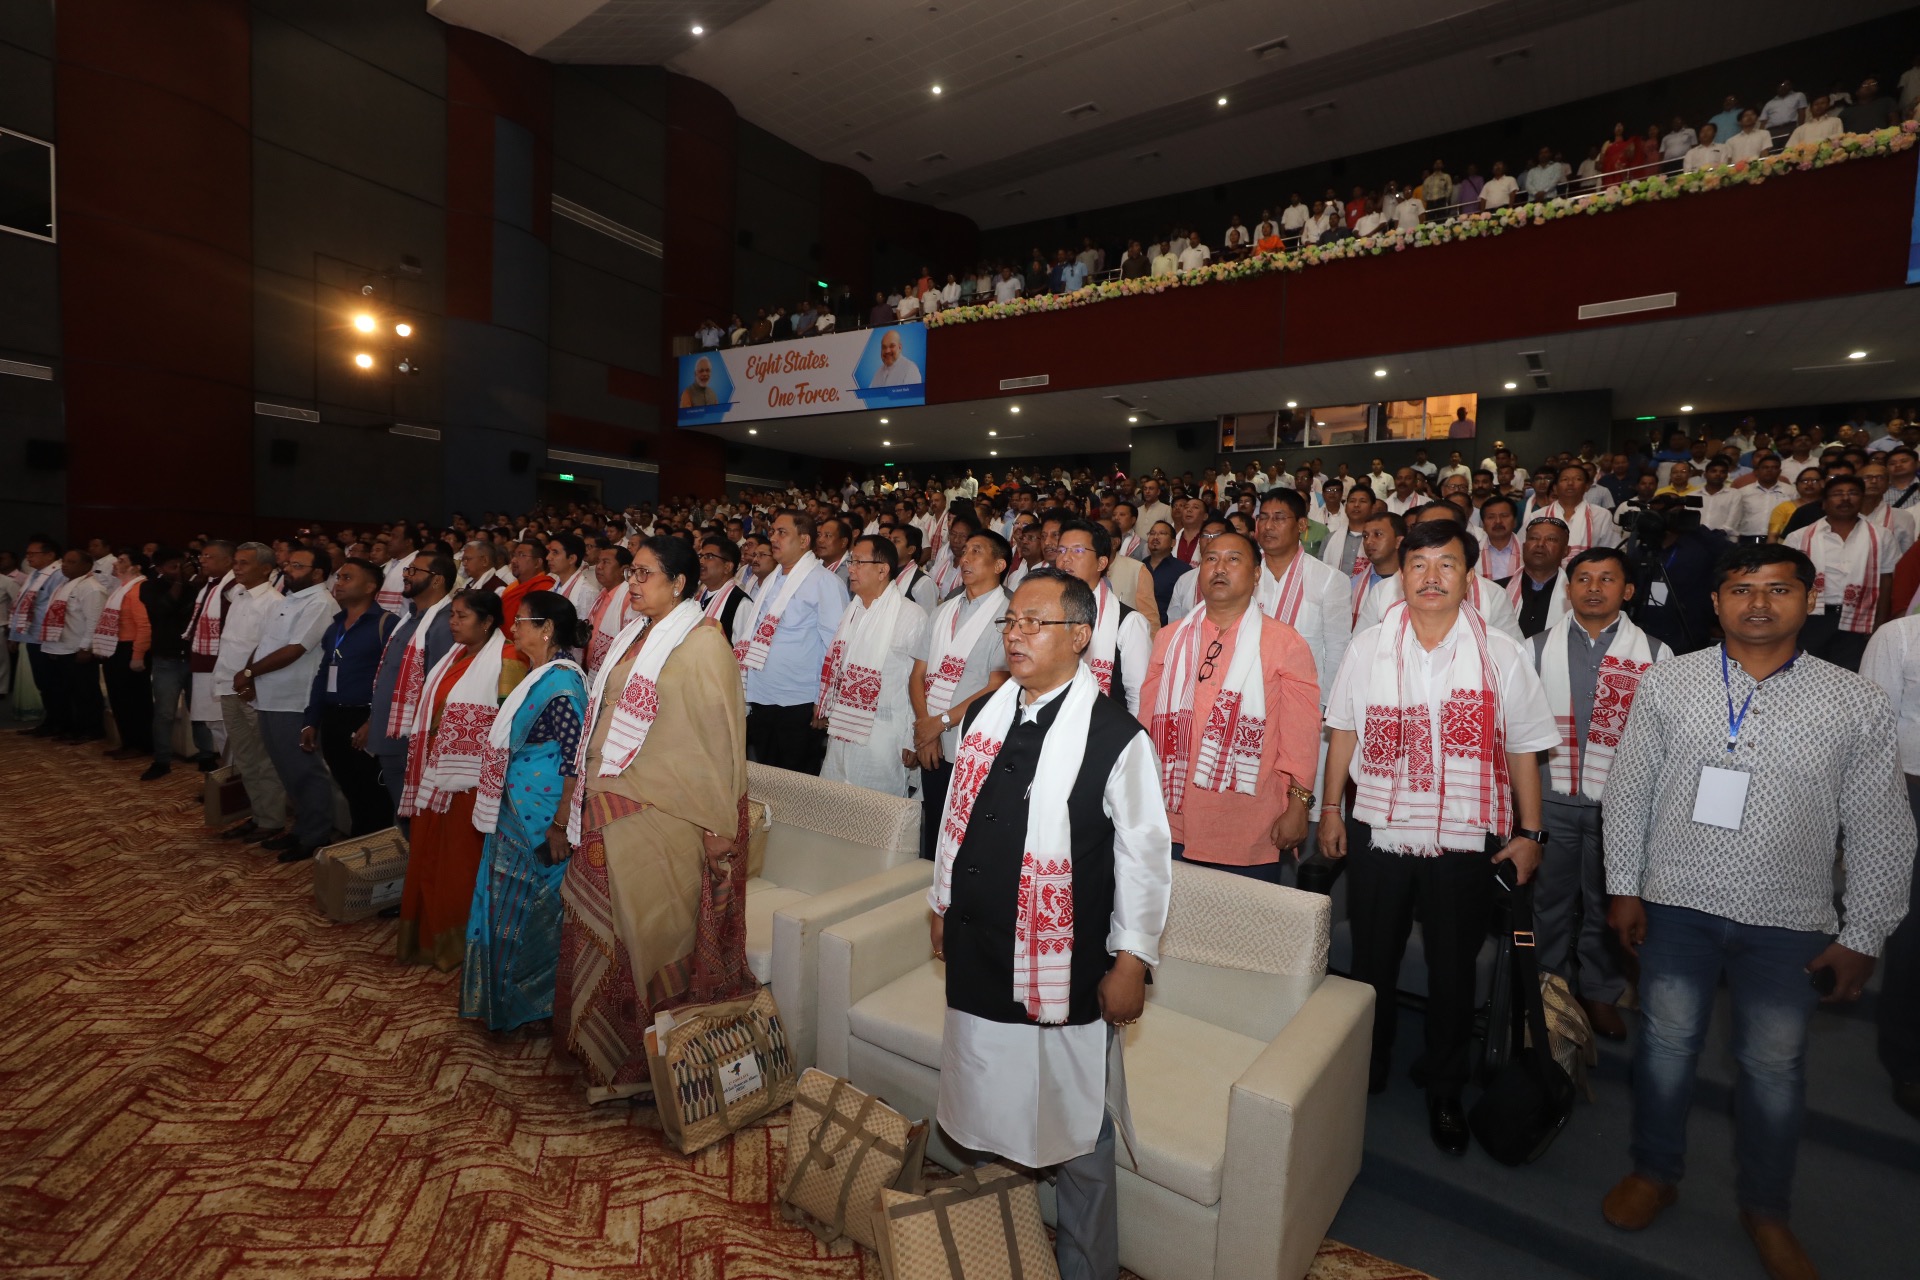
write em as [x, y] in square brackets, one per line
[1673, 561]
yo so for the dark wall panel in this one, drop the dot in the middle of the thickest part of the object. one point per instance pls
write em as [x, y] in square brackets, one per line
[392, 37]
[29, 298]
[26, 90]
[345, 473]
[30, 408]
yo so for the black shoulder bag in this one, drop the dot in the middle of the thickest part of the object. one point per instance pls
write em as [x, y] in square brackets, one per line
[1528, 1097]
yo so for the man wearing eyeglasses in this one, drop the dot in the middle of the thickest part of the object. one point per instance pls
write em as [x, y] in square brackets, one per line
[1121, 646]
[1055, 799]
[959, 662]
[869, 726]
[426, 630]
[1186, 592]
[1232, 707]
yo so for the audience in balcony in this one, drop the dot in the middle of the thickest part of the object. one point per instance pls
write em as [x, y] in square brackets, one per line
[1818, 126]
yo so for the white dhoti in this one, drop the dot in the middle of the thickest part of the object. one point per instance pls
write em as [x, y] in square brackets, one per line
[201, 704]
[1035, 1095]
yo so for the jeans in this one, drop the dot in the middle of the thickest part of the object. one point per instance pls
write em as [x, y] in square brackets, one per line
[1684, 956]
[303, 776]
[170, 680]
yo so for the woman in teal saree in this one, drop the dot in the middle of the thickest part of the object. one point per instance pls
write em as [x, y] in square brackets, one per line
[513, 929]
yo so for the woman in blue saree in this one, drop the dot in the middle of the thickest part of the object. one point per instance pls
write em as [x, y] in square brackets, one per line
[513, 929]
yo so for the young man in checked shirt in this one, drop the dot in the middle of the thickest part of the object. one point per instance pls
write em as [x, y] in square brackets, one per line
[1741, 768]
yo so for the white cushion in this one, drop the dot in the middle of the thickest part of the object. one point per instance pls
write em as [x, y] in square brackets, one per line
[906, 1017]
[1180, 1072]
[764, 897]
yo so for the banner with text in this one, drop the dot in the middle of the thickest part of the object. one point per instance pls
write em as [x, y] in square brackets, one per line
[833, 373]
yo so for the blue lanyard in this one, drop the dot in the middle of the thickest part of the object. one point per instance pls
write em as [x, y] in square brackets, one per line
[1734, 721]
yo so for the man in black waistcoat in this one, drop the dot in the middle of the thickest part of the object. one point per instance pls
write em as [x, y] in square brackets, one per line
[1051, 881]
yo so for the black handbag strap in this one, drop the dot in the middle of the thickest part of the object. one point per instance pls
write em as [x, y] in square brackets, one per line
[1530, 1012]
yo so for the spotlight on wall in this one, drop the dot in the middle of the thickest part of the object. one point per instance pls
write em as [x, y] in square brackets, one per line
[886, 444]
[364, 360]
[699, 30]
[936, 91]
[1013, 408]
[993, 453]
[883, 422]
[1221, 101]
[1293, 404]
[403, 329]
[993, 433]
[363, 322]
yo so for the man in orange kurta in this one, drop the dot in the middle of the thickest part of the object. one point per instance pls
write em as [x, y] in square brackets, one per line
[1229, 829]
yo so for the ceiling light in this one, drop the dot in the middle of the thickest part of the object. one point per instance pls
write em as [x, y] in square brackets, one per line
[1379, 373]
[753, 431]
[1856, 355]
[1221, 101]
[1293, 404]
[1133, 417]
[1013, 408]
[887, 443]
[1510, 385]
[403, 329]
[993, 433]
[364, 360]
[883, 422]
[993, 453]
[699, 30]
[363, 322]
[936, 91]
[1686, 408]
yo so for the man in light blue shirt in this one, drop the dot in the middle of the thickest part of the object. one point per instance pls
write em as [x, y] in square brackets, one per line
[782, 690]
[1073, 275]
[1727, 123]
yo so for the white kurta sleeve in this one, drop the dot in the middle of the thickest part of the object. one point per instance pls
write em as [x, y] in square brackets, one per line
[1136, 655]
[1142, 852]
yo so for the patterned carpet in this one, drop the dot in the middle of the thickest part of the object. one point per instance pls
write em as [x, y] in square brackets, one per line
[200, 1075]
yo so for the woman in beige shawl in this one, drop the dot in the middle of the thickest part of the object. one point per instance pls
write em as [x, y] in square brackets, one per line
[655, 894]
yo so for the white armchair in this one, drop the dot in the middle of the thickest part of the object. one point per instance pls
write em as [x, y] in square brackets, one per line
[1246, 1074]
[832, 851]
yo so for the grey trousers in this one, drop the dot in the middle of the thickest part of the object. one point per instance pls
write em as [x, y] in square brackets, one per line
[1570, 904]
[170, 683]
[1086, 1199]
[265, 795]
[303, 774]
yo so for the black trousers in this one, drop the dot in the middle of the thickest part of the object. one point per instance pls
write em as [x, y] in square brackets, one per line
[70, 691]
[130, 694]
[89, 704]
[356, 772]
[1454, 894]
[50, 678]
[933, 802]
[1822, 637]
[785, 738]
[1899, 1008]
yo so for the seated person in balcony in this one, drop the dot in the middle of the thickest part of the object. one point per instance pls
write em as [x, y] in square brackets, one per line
[1706, 153]
[1195, 255]
[1268, 228]
[1751, 142]
[1868, 110]
[1821, 125]
[1055, 800]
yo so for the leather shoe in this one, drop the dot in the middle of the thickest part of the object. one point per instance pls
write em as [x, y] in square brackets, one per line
[1635, 1202]
[1605, 1018]
[1447, 1121]
[297, 853]
[125, 753]
[1906, 1096]
[245, 831]
[1780, 1253]
[156, 771]
[209, 763]
[278, 844]
[1377, 1076]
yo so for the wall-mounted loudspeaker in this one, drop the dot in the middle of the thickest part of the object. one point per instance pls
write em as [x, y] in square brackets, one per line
[518, 461]
[284, 453]
[46, 455]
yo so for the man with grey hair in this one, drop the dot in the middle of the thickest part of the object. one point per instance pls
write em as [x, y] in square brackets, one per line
[485, 564]
[246, 617]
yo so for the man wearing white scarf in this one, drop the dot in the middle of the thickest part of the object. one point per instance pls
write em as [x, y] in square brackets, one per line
[1345, 550]
[1587, 526]
[1590, 663]
[72, 691]
[914, 582]
[1055, 801]
[215, 594]
[960, 661]
[1122, 646]
[1492, 603]
[1436, 717]
[783, 641]
[1538, 593]
[29, 609]
[412, 651]
[613, 610]
[869, 724]
[1232, 707]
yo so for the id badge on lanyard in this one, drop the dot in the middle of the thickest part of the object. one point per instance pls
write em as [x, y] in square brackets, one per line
[1720, 800]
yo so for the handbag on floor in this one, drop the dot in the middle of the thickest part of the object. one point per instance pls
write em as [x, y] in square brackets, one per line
[983, 1225]
[1528, 1097]
[719, 1068]
[843, 1146]
[223, 797]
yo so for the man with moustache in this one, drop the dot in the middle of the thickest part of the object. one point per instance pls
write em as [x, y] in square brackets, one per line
[959, 662]
[279, 681]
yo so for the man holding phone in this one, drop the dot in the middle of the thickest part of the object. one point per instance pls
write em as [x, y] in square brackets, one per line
[1741, 769]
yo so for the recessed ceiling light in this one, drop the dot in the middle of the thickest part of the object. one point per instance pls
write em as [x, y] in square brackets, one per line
[1133, 417]
[887, 443]
[1013, 408]
[1379, 373]
[993, 453]
[993, 433]
[699, 30]
[1856, 355]
[883, 422]
[1221, 101]
[1509, 385]
[936, 91]
[753, 431]
[1686, 408]
[1293, 404]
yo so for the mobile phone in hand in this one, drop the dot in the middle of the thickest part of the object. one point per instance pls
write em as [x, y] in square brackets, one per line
[1823, 980]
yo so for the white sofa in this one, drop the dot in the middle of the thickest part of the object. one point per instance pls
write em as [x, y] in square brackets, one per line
[831, 851]
[1247, 1074]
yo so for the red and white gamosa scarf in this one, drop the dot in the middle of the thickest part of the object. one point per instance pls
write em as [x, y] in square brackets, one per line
[1858, 561]
[1580, 767]
[850, 681]
[1228, 758]
[633, 713]
[442, 762]
[412, 676]
[106, 632]
[753, 655]
[952, 642]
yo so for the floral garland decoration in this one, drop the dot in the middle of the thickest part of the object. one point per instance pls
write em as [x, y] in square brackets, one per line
[1492, 222]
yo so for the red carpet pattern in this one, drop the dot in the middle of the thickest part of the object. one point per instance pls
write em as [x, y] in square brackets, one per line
[202, 1076]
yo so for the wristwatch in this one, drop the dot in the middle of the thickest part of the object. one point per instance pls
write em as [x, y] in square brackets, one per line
[246, 673]
[1538, 837]
[1301, 794]
[946, 718]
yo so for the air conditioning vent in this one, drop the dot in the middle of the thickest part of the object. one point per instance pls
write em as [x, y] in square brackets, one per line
[1627, 306]
[1082, 111]
[1536, 360]
[1540, 381]
[1017, 384]
[1269, 48]
[418, 433]
[1122, 401]
[267, 410]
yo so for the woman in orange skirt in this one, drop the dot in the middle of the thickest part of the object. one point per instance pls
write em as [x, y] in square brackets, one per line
[445, 754]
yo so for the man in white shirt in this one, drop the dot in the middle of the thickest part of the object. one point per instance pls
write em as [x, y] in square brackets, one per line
[1719, 501]
[1151, 508]
[72, 599]
[1371, 221]
[1165, 261]
[1818, 127]
[895, 370]
[1293, 219]
[1006, 288]
[278, 678]
[1785, 109]
[1705, 154]
[909, 307]
[1430, 825]
[246, 617]
[1587, 526]
[1752, 142]
[1854, 583]
[1316, 227]
[1234, 241]
[1543, 179]
[1500, 189]
[871, 745]
[1758, 500]
[1409, 212]
[1194, 256]
[960, 662]
[1892, 661]
[1677, 142]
